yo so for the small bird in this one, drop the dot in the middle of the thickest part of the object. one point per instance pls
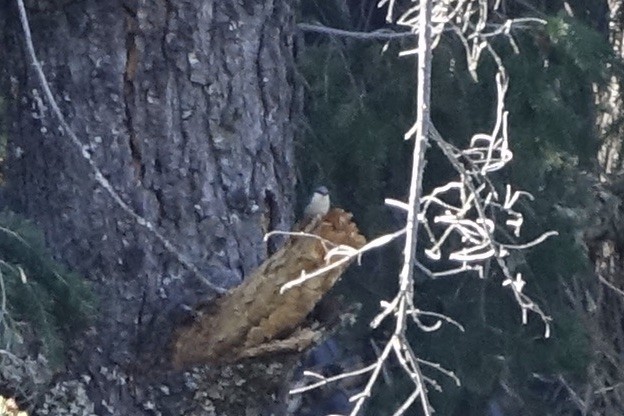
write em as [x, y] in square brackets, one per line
[318, 205]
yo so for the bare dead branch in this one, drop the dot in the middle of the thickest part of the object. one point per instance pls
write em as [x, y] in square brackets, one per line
[386, 35]
[257, 318]
[383, 34]
[446, 318]
[610, 285]
[345, 253]
[463, 210]
[327, 380]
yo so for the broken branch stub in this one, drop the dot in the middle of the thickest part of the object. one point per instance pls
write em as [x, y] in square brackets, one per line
[254, 319]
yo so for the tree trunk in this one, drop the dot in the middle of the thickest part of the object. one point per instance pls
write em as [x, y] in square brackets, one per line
[602, 304]
[609, 100]
[187, 108]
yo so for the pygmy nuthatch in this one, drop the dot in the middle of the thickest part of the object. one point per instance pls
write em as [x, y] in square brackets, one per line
[318, 205]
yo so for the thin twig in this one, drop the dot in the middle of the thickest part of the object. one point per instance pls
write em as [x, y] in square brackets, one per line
[376, 35]
[610, 285]
[386, 35]
[326, 380]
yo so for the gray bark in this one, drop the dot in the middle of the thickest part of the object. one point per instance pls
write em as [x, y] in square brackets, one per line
[600, 303]
[605, 241]
[609, 99]
[187, 107]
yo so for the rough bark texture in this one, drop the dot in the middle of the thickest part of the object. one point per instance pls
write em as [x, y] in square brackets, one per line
[606, 369]
[600, 302]
[609, 99]
[187, 107]
[256, 319]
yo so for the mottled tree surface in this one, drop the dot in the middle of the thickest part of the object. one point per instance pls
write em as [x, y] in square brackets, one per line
[257, 318]
[187, 107]
[602, 234]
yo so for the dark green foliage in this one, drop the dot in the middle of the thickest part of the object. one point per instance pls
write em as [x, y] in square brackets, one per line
[359, 104]
[51, 300]
[558, 116]
[584, 49]
[356, 121]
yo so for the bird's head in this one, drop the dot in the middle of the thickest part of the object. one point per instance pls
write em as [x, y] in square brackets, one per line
[321, 190]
